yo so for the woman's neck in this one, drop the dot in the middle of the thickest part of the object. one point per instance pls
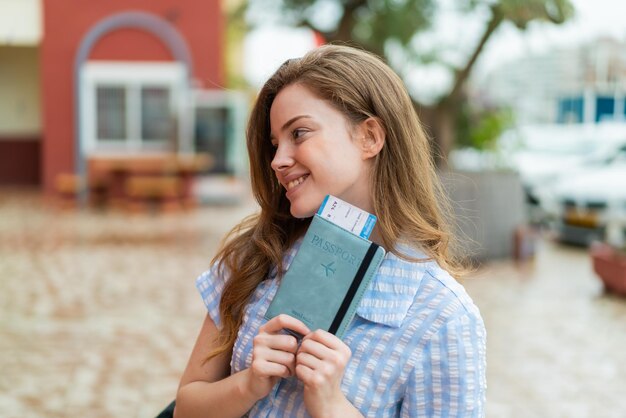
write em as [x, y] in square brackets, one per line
[376, 236]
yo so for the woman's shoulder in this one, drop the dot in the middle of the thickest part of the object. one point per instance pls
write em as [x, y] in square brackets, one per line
[431, 274]
[449, 291]
[211, 278]
[438, 297]
[413, 290]
[210, 285]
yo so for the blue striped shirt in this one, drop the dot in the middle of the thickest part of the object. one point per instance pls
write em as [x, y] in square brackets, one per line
[417, 342]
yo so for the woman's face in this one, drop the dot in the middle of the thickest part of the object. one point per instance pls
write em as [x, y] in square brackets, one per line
[317, 152]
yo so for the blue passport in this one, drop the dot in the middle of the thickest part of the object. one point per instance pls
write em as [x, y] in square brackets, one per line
[327, 277]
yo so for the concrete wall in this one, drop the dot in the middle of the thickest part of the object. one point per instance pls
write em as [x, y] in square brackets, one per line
[488, 207]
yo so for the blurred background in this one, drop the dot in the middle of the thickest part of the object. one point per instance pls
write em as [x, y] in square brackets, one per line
[123, 164]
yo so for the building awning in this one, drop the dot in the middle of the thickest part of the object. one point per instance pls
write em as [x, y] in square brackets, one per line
[21, 22]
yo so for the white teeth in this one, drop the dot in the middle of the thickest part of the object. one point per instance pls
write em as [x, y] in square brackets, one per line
[294, 183]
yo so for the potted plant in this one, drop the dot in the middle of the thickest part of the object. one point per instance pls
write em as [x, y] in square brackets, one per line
[609, 256]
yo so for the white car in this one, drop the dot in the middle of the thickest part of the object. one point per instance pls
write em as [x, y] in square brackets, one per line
[586, 200]
[544, 153]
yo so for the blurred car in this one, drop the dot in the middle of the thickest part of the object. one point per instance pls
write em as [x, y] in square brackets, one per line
[585, 200]
[544, 154]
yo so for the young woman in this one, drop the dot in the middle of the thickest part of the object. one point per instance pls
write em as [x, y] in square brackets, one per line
[338, 121]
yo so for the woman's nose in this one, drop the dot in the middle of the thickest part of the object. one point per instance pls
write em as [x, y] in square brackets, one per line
[283, 158]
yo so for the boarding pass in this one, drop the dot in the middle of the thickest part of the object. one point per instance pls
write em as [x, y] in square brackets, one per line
[347, 216]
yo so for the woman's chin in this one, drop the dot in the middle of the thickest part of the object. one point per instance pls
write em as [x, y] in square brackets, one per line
[304, 206]
[302, 212]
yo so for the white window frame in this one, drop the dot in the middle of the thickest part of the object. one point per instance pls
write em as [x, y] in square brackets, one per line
[133, 76]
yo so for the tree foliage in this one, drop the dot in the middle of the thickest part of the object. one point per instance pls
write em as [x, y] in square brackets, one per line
[480, 127]
[378, 24]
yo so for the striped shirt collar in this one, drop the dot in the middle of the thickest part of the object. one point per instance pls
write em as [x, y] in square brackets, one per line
[392, 290]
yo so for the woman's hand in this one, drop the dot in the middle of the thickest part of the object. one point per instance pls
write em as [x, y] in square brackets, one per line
[273, 355]
[320, 364]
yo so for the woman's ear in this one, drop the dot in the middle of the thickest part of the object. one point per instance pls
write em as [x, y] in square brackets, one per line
[372, 137]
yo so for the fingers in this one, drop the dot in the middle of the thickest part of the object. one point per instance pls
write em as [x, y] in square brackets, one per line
[279, 349]
[283, 321]
[308, 376]
[326, 339]
[281, 342]
[272, 363]
[274, 356]
[270, 370]
[321, 359]
[273, 353]
[326, 347]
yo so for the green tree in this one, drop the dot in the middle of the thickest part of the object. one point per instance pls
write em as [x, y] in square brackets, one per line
[519, 12]
[382, 26]
[479, 127]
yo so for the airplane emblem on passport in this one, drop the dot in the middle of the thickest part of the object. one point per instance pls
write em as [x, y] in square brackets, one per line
[328, 268]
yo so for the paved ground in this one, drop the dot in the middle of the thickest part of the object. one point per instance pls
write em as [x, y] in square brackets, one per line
[98, 313]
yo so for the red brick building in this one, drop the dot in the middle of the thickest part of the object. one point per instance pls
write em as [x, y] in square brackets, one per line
[114, 76]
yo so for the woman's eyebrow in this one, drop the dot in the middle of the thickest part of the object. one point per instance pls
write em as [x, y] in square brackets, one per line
[290, 122]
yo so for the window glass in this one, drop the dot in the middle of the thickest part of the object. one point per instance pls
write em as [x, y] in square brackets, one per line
[111, 113]
[156, 119]
[211, 134]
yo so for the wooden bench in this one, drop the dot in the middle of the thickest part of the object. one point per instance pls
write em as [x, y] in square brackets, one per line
[138, 180]
[153, 192]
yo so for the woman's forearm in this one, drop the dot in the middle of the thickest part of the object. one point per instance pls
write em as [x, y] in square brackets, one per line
[225, 398]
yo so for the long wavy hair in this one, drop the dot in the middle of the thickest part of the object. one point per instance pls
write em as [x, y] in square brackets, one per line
[408, 199]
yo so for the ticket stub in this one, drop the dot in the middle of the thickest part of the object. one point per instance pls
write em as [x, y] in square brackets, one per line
[347, 216]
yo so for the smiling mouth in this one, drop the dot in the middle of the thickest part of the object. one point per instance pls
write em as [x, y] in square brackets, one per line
[296, 182]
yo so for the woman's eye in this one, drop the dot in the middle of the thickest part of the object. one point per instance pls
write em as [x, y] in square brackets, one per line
[297, 133]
